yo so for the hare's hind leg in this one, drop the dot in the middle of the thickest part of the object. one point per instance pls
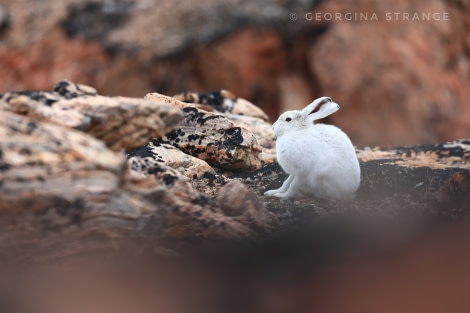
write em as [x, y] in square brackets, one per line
[279, 192]
[294, 190]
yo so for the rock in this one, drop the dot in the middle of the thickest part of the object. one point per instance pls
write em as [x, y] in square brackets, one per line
[231, 220]
[237, 110]
[57, 186]
[214, 139]
[403, 89]
[122, 123]
[162, 186]
[455, 154]
[435, 174]
[190, 214]
[187, 213]
[70, 90]
[155, 96]
[64, 192]
[223, 101]
[143, 160]
[261, 129]
[263, 133]
[43, 158]
[234, 199]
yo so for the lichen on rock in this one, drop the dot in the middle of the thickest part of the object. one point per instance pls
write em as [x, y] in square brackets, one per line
[215, 137]
[144, 159]
[122, 123]
[223, 101]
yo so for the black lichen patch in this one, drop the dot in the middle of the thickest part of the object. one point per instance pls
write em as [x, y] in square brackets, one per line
[31, 127]
[441, 150]
[25, 151]
[210, 177]
[156, 169]
[142, 152]
[95, 20]
[62, 87]
[4, 166]
[171, 136]
[46, 98]
[67, 89]
[215, 99]
[193, 137]
[233, 138]
[156, 142]
[193, 115]
[169, 180]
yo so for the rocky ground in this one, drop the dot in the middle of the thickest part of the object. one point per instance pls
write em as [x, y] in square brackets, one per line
[83, 174]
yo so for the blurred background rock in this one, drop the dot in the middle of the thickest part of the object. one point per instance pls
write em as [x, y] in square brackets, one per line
[398, 82]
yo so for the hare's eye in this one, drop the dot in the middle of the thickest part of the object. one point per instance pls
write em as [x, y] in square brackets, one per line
[288, 119]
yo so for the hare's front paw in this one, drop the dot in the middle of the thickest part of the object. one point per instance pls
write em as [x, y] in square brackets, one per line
[273, 193]
[281, 191]
[278, 194]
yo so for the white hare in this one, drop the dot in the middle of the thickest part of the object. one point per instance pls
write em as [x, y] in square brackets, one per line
[320, 159]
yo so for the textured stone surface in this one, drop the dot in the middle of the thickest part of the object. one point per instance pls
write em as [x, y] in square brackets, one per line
[55, 180]
[216, 140]
[122, 123]
[64, 192]
[261, 129]
[223, 101]
[455, 154]
[411, 85]
[36, 156]
[144, 160]
[212, 136]
[237, 110]
[235, 220]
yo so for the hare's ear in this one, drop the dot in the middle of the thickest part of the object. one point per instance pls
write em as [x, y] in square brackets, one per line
[320, 108]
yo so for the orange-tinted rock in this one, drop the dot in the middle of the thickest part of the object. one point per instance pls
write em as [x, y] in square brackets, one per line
[122, 123]
[398, 82]
[214, 138]
[223, 101]
[145, 159]
[254, 59]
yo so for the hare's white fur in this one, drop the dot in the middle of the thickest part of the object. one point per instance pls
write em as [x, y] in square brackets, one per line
[320, 159]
